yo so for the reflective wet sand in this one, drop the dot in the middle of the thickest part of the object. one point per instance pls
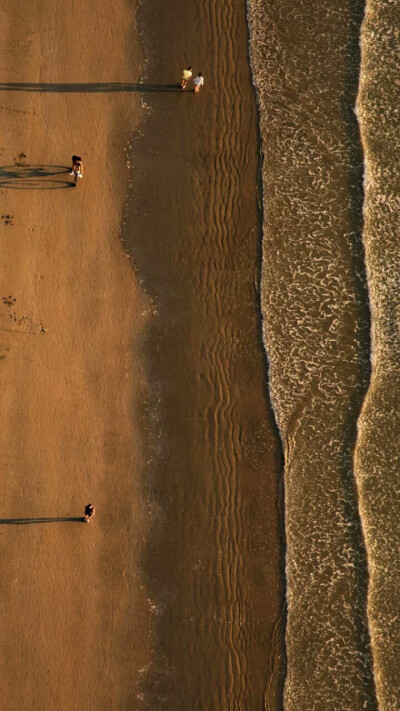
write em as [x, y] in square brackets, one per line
[214, 559]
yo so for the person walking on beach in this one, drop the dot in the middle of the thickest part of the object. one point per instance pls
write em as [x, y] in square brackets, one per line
[77, 166]
[89, 512]
[186, 75]
[198, 82]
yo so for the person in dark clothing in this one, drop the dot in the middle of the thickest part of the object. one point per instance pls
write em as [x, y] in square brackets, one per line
[77, 166]
[89, 512]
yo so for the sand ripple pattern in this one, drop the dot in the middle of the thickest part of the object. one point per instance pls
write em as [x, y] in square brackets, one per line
[305, 59]
[213, 448]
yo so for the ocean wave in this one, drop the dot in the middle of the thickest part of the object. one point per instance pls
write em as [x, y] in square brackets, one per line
[316, 324]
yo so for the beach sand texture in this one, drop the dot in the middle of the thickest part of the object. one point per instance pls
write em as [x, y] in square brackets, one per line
[133, 372]
[213, 560]
[74, 614]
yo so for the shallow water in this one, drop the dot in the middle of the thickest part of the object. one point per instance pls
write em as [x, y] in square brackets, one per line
[378, 453]
[315, 304]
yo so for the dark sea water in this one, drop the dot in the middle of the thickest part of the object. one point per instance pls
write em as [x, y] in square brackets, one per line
[327, 84]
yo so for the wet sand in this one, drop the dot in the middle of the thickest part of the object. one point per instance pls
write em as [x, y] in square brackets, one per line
[74, 613]
[214, 558]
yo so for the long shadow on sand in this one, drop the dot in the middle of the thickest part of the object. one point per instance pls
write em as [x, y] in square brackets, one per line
[23, 521]
[84, 88]
[33, 177]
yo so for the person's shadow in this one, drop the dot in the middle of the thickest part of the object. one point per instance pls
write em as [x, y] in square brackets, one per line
[33, 177]
[24, 521]
[99, 87]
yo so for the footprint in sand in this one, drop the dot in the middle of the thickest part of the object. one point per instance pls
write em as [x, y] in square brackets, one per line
[9, 300]
[30, 326]
[21, 159]
[4, 350]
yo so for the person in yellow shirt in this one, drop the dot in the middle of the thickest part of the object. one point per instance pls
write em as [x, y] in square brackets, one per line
[186, 75]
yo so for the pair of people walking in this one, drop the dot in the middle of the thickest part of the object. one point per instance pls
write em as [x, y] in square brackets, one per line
[187, 75]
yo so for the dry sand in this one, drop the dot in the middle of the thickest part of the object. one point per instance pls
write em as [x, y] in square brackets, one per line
[74, 617]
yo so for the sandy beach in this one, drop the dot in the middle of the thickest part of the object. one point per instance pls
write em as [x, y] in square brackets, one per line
[132, 367]
[75, 617]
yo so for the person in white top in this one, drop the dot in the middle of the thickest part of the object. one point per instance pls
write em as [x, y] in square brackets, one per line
[198, 82]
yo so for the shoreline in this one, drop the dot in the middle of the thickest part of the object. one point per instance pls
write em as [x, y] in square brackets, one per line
[278, 663]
